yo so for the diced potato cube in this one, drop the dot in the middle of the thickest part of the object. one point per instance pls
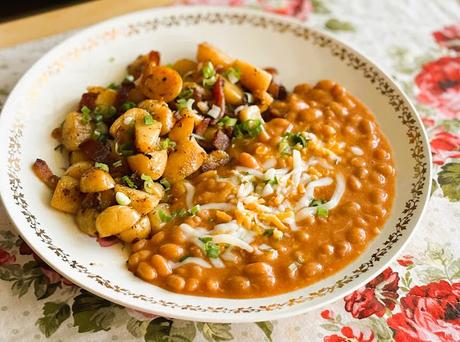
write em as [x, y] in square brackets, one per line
[66, 196]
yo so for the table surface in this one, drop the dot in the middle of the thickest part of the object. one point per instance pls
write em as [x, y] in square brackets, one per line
[416, 299]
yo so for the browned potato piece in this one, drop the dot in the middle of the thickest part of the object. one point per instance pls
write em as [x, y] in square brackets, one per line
[66, 196]
[142, 201]
[207, 52]
[160, 112]
[96, 180]
[86, 220]
[160, 83]
[127, 120]
[140, 230]
[264, 100]
[75, 131]
[253, 77]
[183, 66]
[147, 136]
[78, 156]
[105, 96]
[116, 219]
[232, 93]
[151, 164]
[187, 158]
[182, 130]
[77, 169]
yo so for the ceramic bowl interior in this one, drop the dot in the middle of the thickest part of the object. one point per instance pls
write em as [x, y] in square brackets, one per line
[99, 55]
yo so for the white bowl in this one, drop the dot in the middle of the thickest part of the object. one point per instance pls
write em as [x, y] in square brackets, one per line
[99, 55]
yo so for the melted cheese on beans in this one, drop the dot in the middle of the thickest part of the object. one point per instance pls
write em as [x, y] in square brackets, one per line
[279, 216]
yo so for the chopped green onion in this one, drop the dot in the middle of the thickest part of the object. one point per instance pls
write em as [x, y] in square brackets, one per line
[102, 166]
[186, 93]
[248, 98]
[98, 117]
[149, 120]
[129, 78]
[182, 212]
[118, 163]
[105, 111]
[273, 181]
[268, 232]
[233, 75]
[164, 182]
[208, 70]
[113, 86]
[292, 140]
[122, 199]
[210, 248]
[145, 177]
[125, 149]
[227, 121]
[194, 210]
[164, 217]
[184, 103]
[322, 212]
[127, 106]
[85, 111]
[100, 131]
[167, 143]
[250, 128]
[128, 182]
[316, 202]
[209, 82]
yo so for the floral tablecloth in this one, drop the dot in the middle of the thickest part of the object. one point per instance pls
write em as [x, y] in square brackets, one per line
[417, 298]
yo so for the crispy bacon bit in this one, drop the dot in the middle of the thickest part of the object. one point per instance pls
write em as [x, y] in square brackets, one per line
[272, 71]
[154, 56]
[44, 173]
[97, 151]
[221, 141]
[88, 100]
[123, 92]
[282, 93]
[202, 126]
[214, 160]
[98, 200]
[218, 92]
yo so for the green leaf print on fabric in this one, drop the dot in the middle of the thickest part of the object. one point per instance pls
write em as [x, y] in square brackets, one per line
[137, 328]
[381, 330]
[215, 331]
[91, 313]
[439, 265]
[337, 25]
[449, 180]
[53, 316]
[267, 328]
[8, 240]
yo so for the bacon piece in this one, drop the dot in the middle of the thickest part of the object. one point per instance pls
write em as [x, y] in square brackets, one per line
[221, 140]
[44, 173]
[88, 100]
[214, 160]
[154, 56]
[219, 97]
[97, 151]
[202, 126]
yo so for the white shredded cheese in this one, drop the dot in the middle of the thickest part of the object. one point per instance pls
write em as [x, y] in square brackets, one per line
[338, 192]
[214, 112]
[190, 194]
[217, 262]
[356, 150]
[193, 260]
[310, 190]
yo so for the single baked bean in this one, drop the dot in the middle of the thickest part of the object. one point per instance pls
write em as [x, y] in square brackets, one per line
[352, 207]
[182, 271]
[385, 169]
[354, 183]
[346, 101]
[177, 236]
[264, 136]
[245, 159]
[358, 162]
[366, 126]
[146, 271]
[310, 114]
[258, 269]
[212, 285]
[158, 238]
[381, 154]
[300, 256]
[326, 249]
[196, 251]
[302, 89]
[343, 248]
[349, 131]
[301, 236]
[378, 210]
[276, 127]
[321, 96]
[195, 271]
[378, 178]
[311, 269]
[338, 91]
[195, 220]
[137, 257]
[191, 284]
[378, 196]
[141, 244]
[171, 251]
[360, 221]
[357, 235]
[354, 120]
[175, 282]
[328, 131]
[338, 109]
[238, 283]
[325, 85]
[161, 265]
[312, 103]
[361, 172]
